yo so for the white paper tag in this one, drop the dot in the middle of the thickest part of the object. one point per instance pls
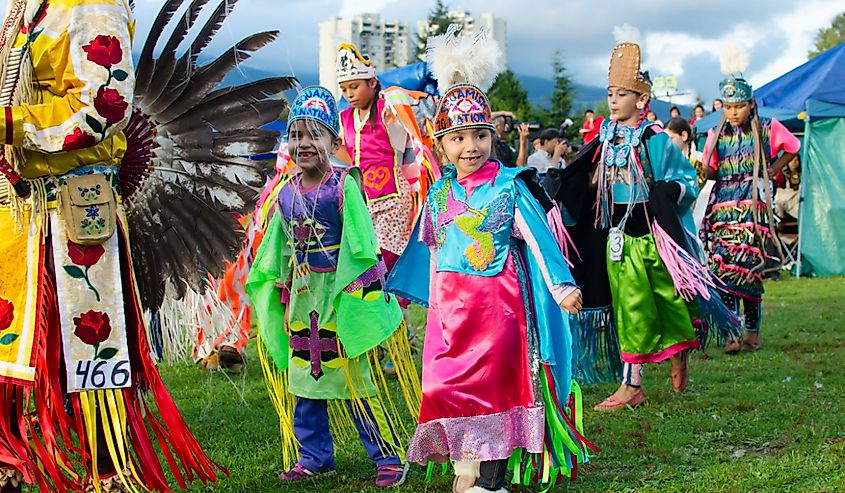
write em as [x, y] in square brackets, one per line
[615, 239]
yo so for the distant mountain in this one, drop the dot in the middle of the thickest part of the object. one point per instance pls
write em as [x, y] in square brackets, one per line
[540, 89]
[246, 74]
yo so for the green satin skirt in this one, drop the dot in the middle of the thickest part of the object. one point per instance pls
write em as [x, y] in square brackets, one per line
[654, 323]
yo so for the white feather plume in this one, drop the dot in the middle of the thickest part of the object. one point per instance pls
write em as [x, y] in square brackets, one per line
[626, 33]
[733, 58]
[455, 59]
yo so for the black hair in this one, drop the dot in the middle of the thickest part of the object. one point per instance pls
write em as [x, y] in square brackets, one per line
[713, 108]
[374, 105]
[675, 108]
[699, 106]
[589, 111]
[547, 134]
[679, 125]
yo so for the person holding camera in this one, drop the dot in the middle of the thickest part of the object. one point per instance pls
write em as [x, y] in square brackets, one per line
[503, 122]
[551, 152]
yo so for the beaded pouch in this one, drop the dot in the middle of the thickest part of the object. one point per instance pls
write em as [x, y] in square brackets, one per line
[88, 207]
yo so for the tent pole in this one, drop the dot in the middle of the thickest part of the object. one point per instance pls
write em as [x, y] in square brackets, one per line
[801, 190]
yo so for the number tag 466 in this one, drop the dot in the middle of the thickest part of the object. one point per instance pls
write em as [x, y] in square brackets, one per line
[98, 375]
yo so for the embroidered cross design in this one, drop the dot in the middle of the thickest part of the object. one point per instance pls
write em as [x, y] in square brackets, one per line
[307, 233]
[315, 346]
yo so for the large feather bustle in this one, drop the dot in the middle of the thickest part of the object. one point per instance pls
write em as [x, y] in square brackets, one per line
[455, 59]
[190, 165]
[733, 58]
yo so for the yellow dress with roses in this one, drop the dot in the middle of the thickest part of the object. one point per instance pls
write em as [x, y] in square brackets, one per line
[77, 383]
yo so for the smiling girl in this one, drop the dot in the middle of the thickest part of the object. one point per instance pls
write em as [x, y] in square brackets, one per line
[485, 261]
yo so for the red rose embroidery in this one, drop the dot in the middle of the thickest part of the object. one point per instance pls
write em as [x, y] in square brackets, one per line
[7, 314]
[84, 255]
[79, 139]
[110, 105]
[104, 51]
[92, 327]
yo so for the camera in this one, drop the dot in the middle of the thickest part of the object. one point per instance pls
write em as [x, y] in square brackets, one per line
[511, 124]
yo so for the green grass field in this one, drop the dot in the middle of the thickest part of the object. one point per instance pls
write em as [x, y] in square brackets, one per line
[764, 422]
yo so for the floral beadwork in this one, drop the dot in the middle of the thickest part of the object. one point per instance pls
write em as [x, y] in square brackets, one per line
[84, 257]
[94, 328]
[110, 105]
[7, 317]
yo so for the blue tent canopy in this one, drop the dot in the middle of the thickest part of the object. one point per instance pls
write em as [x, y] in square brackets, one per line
[414, 77]
[820, 79]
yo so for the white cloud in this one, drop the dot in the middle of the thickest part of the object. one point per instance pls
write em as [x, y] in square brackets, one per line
[800, 27]
[349, 8]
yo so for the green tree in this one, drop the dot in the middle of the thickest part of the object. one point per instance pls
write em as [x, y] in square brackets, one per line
[560, 107]
[507, 94]
[830, 36]
[437, 23]
[562, 93]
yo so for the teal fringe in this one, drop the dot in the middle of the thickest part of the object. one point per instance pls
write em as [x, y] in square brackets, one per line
[716, 321]
[595, 347]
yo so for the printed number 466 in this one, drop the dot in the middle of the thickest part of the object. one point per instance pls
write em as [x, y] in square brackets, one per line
[102, 374]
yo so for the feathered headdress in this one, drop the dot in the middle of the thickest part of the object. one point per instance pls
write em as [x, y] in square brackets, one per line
[352, 65]
[455, 59]
[734, 61]
[466, 66]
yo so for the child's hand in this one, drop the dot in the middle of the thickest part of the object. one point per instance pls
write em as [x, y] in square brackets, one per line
[572, 303]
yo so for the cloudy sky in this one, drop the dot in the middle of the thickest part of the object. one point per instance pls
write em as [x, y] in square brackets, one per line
[680, 38]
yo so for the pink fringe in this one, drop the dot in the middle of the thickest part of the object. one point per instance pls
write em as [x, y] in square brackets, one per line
[564, 241]
[689, 276]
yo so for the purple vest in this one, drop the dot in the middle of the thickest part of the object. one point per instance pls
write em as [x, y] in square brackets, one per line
[312, 218]
[376, 158]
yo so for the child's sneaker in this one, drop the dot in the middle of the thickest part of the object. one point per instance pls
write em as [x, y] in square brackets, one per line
[392, 475]
[298, 473]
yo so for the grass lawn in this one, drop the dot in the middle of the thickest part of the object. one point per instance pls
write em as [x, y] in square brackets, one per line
[765, 422]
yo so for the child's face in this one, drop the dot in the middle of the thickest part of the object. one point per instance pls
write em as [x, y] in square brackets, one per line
[359, 93]
[651, 116]
[738, 113]
[467, 149]
[624, 104]
[310, 144]
[549, 145]
[536, 144]
[678, 139]
[699, 112]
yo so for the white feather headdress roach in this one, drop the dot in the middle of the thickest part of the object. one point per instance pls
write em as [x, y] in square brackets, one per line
[734, 88]
[626, 33]
[733, 59]
[455, 59]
